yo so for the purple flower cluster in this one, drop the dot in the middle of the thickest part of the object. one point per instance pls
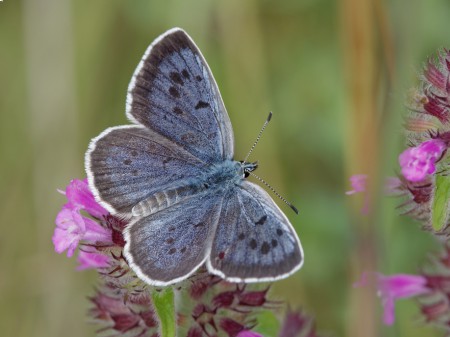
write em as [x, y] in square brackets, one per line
[122, 304]
[427, 131]
[429, 121]
[428, 134]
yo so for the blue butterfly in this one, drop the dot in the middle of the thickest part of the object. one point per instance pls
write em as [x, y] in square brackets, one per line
[172, 173]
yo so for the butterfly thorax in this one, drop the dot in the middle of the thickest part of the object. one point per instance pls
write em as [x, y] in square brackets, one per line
[218, 177]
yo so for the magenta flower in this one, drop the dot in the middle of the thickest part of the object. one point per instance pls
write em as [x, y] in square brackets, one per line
[391, 288]
[417, 162]
[358, 183]
[80, 197]
[394, 287]
[71, 228]
[91, 260]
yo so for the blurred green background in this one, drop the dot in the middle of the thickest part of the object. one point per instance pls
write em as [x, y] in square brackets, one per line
[335, 74]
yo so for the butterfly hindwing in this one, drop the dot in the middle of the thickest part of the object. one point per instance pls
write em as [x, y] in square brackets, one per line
[254, 240]
[126, 164]
[174, 93]
[168, 246]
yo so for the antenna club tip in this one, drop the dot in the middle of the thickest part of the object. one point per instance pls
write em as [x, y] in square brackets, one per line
[269, 117]
[294, 209]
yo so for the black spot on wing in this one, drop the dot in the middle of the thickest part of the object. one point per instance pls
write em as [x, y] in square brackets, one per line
[178, 111]
[262, 220]
[279, 232]
[185, 74]
[201, 105]
[127, 161]
[253, 244]
[176, 77]
[174, 92]
[198, 78]
[265, 248]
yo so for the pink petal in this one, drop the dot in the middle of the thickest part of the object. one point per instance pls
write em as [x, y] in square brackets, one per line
[388, 311]
[358, 183]
[80, 197]
[94, 232]
[62, 242]
[69, 230]
[88, 260]
[402, 285]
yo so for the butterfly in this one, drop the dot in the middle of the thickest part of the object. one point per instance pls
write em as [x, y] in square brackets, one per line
[172, 173]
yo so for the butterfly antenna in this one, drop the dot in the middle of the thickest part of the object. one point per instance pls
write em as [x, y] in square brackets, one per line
[275, 192]
[259, 136]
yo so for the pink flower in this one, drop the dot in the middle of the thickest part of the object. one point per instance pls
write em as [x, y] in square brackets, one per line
[417, 162]
[394, 287]
[88, 260]
[71, 227]
[80, 197]
[358, 183]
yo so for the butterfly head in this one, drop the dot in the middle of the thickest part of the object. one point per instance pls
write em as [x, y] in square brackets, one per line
[248, 167]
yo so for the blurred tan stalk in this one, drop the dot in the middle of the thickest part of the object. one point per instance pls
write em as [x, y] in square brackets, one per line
[53, 128]
[365, 38]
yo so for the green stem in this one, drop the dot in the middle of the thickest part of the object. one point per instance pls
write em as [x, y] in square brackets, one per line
[164, 304]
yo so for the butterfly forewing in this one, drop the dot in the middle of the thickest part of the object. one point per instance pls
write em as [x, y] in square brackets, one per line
[168, 246]
[254, 240]
[174, 93]
[126, 164]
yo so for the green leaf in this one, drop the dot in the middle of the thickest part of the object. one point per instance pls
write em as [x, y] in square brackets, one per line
[268, 324]
[439, 210]
[164, 304]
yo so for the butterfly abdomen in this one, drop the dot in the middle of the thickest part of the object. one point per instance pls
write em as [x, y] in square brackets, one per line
[166, 198]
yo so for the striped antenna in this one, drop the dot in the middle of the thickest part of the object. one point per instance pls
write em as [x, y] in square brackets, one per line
[275, 192]
[259, 136]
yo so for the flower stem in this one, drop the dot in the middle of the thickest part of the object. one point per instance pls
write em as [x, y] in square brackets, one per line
[164, 304]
